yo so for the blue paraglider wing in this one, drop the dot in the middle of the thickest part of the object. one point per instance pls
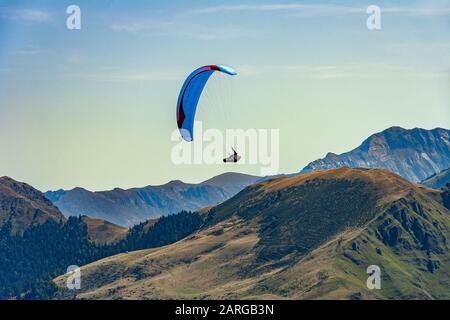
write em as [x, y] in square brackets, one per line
[190, 95]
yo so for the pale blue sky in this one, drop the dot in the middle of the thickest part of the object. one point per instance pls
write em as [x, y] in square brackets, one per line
[95, 107]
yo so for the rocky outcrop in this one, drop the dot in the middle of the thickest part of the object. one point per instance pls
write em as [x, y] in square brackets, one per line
[414, 154]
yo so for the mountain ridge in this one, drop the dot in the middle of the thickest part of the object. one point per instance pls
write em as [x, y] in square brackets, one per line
[128, 207]
[437, 180]
[103, 232]
[415, 154]
[23, 206]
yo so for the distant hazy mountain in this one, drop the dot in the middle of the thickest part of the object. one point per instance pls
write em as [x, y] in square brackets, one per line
[438, 180]
[23, 206]
[132, 206]
[305, 237]
[414, 154]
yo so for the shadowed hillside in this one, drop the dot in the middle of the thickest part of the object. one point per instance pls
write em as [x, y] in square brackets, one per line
[310, 236]
[438, 180]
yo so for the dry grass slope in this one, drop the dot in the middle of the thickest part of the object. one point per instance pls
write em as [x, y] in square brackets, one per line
[23, 206]
[104, 232]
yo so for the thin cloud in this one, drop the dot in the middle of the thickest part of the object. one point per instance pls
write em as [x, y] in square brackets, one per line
[277, 7]
[184, 30]
[32, 15]
[141, 26]
[29, 52]
[418, 11]
[332, 72]
[312, 9]
[131, 76]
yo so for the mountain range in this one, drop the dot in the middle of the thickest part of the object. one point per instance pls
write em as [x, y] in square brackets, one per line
[133, 206]
[304, 237]
[414, 154]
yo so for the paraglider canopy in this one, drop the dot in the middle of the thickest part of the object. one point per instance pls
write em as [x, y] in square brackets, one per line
[190, 95]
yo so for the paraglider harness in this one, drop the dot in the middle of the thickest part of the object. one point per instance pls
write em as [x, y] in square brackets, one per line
[233, 158]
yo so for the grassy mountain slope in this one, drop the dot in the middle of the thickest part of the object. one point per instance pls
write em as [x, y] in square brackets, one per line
[23, 206]
[104, 232]
[311, 236]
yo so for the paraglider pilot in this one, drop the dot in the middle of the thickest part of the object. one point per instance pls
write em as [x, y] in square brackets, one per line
[233, 158]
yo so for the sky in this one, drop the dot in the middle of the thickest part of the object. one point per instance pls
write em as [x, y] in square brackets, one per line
[95, 107]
